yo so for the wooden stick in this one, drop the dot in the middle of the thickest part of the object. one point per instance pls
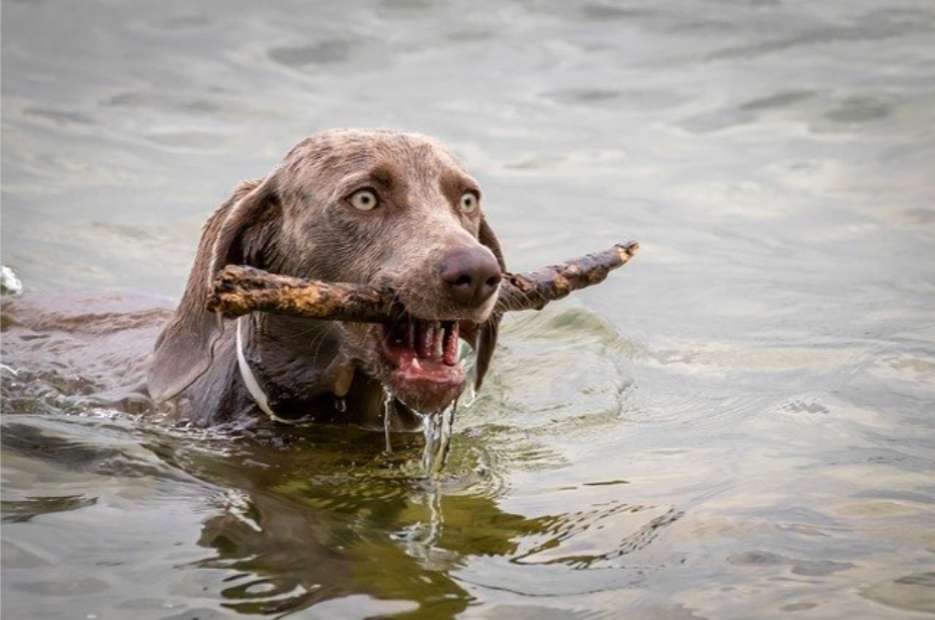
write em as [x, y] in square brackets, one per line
[532, 291]
[240, 290]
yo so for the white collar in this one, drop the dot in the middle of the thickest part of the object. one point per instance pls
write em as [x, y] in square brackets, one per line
[249, 379]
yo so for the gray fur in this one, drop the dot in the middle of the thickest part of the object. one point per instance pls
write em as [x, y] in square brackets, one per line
[297, 222]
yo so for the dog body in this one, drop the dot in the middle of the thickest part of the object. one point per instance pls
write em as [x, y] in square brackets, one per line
[372, 207]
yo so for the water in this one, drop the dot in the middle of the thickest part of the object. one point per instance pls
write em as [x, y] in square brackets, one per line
[737, 424]
[436, 431]
[389, 410]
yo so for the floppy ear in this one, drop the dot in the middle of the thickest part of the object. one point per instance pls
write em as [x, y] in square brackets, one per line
[487, 333]
[184, 350]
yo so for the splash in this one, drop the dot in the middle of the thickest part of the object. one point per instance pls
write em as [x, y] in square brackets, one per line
[9, 283]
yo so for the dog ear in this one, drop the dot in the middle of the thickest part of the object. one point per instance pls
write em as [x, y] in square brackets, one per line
[185, 348]
[487, 333]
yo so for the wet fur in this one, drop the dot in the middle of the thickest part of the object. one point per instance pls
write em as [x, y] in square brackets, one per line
[295, 221]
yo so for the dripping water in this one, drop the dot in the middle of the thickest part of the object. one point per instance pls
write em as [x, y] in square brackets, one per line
[437, 432]
[389, 408]
[436, 428]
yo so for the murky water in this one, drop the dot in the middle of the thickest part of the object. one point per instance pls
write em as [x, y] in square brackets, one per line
[738, 424]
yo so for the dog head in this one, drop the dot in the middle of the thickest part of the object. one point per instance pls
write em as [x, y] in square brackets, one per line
[378, 208]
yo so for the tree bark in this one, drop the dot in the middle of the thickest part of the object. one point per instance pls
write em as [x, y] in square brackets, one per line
[239, 290]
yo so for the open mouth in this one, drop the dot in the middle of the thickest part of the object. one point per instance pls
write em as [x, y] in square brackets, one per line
[423, 358]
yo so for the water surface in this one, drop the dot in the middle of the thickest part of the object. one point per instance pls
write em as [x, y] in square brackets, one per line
[738, 424]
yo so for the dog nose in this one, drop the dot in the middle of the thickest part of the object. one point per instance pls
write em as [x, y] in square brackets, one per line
[471, 275]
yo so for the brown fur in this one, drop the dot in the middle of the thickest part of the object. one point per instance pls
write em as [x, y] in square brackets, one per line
[296, 222]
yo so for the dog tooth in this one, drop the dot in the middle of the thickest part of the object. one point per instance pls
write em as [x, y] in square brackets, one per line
[428, 339]
[450, 351]
[437, 345]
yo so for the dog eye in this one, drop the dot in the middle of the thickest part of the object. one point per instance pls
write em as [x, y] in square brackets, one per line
[364, 199]
[468, 202]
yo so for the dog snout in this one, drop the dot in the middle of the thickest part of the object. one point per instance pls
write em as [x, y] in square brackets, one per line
[470, 275]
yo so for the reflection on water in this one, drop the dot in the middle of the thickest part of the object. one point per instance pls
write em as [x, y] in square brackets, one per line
[291, 520]
[740, 420]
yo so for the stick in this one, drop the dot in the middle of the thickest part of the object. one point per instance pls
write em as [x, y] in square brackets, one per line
[239, 290]
[532, 291]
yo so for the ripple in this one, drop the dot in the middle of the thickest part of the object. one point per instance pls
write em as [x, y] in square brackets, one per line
[859, 110]
[69, 587]
[913, 592]
[584, 95]
[581, 539]
[59, 116]
[564, 370]
[194, 139]
[407, 5]
[604, 12]
[917, 217]
[716, 121]
[804, 406]
[711, 356]
[777, 391]
[781, 99]
[324, 52]
[807, 568]
[873, 26]
[24, 510]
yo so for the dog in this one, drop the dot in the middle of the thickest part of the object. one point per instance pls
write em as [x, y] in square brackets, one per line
[374, 207]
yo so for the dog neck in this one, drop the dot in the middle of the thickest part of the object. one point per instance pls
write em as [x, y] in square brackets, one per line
[288, 397]
[250, 380]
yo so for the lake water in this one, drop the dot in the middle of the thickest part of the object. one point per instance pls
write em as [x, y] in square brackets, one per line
[738, 424]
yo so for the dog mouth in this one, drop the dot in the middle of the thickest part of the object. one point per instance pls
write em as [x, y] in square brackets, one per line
[422, 359]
